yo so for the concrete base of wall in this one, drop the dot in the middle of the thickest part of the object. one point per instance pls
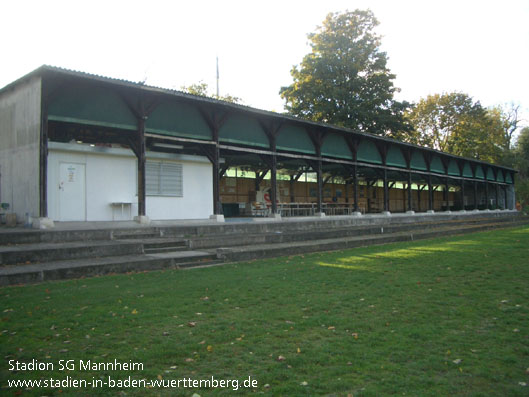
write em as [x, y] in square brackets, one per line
[43, 223]
[217, 218]
[142, 219]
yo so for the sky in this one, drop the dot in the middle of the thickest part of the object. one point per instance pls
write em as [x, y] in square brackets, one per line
[477, 47]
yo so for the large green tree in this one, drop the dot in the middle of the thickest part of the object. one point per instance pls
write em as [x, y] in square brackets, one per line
[345, 80]
[455, 123]
[521, 162]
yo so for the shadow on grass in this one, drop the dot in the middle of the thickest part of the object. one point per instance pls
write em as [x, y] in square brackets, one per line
[426, 249]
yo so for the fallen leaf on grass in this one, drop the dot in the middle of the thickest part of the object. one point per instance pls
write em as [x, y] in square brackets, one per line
[457, 361]
[354, 335]
[281, 358]
[191, 323]
[189, 360]
[304, 383]
[209, 348]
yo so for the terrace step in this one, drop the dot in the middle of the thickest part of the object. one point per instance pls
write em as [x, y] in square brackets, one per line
[39, 256]
[229, 240]
[23, 274]
[249, 252]
[135, 234]
[46, 252]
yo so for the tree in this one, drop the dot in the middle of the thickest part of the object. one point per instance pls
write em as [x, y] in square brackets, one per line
[521, 160]
[344, 80]
[202, 89]
[454, 123]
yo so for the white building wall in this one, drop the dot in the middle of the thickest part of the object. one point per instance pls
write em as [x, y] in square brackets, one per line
[19, 147]
[197, 202]
[111, 177]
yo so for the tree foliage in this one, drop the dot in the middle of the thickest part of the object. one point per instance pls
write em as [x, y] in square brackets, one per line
[521, 163]
[344, 80]
[455, 123]
[202, 89]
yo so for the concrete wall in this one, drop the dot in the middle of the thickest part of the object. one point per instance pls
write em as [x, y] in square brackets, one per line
[111, 176]
[19, 147]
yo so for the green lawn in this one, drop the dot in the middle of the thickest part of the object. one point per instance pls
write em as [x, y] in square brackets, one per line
[445, 317]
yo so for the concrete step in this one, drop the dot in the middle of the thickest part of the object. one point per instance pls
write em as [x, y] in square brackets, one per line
[152, 248]
[46, 252]
[164, 249]
[135, 234]
[77, 268]
[29, 236]
[229, 240]
[164, 243]
[249, 252]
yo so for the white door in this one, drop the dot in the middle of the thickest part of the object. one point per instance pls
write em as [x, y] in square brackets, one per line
[72, 192]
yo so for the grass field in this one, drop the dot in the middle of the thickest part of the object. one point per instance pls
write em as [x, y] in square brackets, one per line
[445, 317]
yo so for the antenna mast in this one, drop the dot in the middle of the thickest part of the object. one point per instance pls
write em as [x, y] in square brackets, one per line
[217, 77]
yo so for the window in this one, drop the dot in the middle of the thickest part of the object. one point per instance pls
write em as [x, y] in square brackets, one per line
[163, 179]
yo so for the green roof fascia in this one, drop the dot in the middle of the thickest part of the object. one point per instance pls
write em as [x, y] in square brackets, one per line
[436, 165]
[334, 145]
[54, 72]
[417, 161]
[92, 122]
[395, 158]
[467, 171]
[479, 172]
[490, 175]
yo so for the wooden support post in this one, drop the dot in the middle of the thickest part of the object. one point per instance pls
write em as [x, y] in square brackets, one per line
[217, 205]
[418, 198]
[141, 166]
[462, 194]
[259, 178]
[505, 198]
[291, 186]
[486, 195]
[497, 196]
[475, 195]
[355, 188]
[319, 172]
[410, 204]
[430, 193]
[386, 190]
[273, 181]
[43, 157]
[446, 195]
